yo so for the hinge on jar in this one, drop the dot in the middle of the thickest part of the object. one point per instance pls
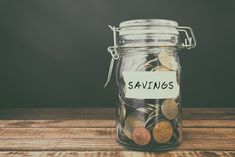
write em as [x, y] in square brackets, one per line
[113, 51]
[189, 42]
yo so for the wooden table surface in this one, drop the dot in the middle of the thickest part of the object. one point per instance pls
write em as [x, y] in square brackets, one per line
[91, 132]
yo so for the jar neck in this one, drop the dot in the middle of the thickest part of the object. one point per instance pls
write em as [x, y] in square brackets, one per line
[146, 50]
[143, 40]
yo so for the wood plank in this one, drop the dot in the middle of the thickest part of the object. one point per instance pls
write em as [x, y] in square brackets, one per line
[103, 123]
[71, 133]
[58, 133]
[105, 117]
[91, 132]
[209, 123]
[108, 144]
[57, 123]
[209, 110]
[118, 153]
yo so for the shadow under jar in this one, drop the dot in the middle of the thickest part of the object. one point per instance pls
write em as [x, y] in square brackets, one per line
[148, 79]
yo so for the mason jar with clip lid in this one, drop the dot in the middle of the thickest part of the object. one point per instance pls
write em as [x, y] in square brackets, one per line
[148, 80]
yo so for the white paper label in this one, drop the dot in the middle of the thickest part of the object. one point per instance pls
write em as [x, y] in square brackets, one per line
[151, 85]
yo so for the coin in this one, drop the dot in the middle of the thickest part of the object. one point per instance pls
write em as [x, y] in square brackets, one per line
[154, 113]
[134, 120]
[127, 132]
[169, 109]
[162, 131]
[150, 62]
[145, 109]
[141, 136]
[153, 106]
[168, 61]
[160, 68]
[121, 112]
[152, 119]
[142, 109]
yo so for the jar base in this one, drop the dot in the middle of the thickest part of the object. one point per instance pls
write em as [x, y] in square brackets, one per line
[148, 148]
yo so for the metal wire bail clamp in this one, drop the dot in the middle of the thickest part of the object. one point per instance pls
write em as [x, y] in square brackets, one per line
[189, 42]
[113, 51]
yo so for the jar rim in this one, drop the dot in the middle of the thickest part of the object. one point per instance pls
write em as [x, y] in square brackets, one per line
[148, 32]
[148, 22]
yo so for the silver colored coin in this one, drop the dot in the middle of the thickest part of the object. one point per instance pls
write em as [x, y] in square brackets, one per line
[154, 115]
[153, 106]
[167, 60]
[156, 112]
[127, 132]
[150, 123]
[146, 110]
[142, 109]
[132, 121]
[149, 63]
[169, 109]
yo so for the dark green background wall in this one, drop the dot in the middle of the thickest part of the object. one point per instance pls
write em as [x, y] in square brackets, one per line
[53, 53]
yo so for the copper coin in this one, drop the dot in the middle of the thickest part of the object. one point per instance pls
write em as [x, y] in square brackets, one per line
[168, 61]
[169, 109]
[162, 131]
[141, 136]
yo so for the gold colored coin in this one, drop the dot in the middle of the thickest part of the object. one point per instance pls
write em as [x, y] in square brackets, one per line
[133, 121]
[169, 109]
[141, 136]
[168, 61]
[162, 131]
[121, 112]
[160, 68]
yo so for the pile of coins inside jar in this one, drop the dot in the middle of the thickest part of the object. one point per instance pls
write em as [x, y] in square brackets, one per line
[150, 122]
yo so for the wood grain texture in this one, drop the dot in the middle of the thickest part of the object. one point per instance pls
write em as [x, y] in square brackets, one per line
[119, 153]
[72, 133]
[91, 132]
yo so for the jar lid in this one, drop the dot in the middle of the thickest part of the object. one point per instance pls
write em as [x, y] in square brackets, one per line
[148, 22]
[148, 26]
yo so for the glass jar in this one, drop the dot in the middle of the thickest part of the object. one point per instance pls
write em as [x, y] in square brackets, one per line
[148, 79]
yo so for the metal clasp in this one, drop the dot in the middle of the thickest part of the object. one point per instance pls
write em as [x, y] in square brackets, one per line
[189, 42]
[113, 51]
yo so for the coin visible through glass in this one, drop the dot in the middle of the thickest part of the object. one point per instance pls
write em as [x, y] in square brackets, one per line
[132, 121]
[169, 109]
[121, 112]
[168, 61]
[160, 68]
[141, 136]
[127, 132]
[162, 131]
